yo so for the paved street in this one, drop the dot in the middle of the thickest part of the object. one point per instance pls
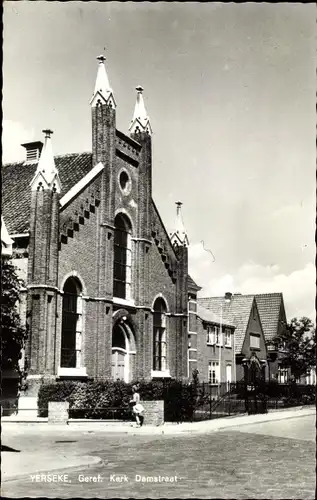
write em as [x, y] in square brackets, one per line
[274, 460]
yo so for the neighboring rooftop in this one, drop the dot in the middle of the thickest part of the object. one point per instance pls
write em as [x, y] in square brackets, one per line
[237, 312]
[211, 317]
[271, 311]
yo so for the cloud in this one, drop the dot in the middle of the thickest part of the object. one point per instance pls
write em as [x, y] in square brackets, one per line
[298, 286]
[13, 135]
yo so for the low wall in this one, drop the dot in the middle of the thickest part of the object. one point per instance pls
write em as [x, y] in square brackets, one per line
[153, 412]
[58, 412]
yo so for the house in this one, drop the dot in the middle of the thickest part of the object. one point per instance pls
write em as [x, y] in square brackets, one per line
[216, 350]
[273, 318]
[209, 352]
[106, 290]
[242, 312]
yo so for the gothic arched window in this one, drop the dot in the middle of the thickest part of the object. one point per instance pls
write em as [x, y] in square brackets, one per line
[122, 258]
[159, 336]
[71, 349]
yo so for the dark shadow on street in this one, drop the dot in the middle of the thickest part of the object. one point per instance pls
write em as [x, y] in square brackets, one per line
[8, 448]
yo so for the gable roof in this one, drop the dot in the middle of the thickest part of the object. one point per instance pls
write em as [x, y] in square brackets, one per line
[16, 191]
[192, 286]
[237, 312]
[271, 310]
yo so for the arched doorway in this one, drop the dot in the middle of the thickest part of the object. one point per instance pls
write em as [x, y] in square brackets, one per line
[123, 351]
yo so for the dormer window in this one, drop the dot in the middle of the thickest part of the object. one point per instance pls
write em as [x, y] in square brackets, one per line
[33, 151]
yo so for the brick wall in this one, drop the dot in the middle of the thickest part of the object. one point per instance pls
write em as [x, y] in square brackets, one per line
[207, 353]
[79, 251]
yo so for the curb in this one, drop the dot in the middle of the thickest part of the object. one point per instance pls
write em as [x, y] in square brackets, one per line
[237, 424]
[93, 461]
[171, 428]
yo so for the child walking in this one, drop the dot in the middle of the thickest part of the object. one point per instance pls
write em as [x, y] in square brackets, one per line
[137, 409]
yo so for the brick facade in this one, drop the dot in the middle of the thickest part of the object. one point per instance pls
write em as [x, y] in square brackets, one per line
[207, 353]
[75, 241]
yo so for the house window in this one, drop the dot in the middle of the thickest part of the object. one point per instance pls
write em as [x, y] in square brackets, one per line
[213, 372]
[282, 375]
[211, 336]
[311, 376]
[227, 337]
[159, 336]
[219, 336]
[228, 375]
[71, 325]
[254, 341]
[122, 258]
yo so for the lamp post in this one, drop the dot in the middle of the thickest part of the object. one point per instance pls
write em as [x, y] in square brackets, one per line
[228, 296]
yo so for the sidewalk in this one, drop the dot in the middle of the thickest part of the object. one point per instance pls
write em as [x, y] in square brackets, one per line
[17, 465]
[166, 428]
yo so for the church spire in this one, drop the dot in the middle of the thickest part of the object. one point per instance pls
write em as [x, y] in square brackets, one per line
[140, 121]
[46, 175]
[103, 92]
[179, 237]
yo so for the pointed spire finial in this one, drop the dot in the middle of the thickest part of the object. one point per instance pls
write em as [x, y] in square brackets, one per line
[140, 121]
[48, 132]
[103, 91]
[178, 205]
[46, 174]
[179, 236]
[101, 59]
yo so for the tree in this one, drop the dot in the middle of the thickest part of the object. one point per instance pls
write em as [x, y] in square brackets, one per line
[13, 333]
[297, 345]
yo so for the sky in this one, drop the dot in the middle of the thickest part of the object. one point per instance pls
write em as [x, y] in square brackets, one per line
[230, 90]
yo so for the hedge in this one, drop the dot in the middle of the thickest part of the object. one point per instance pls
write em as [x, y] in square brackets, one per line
[110, 399]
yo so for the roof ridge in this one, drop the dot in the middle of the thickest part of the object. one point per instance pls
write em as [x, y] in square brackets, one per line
[72, 154]
[62, 155]
[269, 293]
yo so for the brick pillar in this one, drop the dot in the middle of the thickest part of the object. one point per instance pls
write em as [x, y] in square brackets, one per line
[42, 281]
[103, 144]
[142, 245]
[181, 310]
[144, 322]
[153, 412]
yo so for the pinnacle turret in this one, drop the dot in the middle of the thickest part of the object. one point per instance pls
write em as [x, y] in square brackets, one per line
[103, 92]
[179, 236]
[46, 175]
[140, 121]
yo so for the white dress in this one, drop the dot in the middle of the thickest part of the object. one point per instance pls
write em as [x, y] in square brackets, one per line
[137, 408]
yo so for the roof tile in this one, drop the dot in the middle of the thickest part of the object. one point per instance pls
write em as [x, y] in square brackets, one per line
[16, 191]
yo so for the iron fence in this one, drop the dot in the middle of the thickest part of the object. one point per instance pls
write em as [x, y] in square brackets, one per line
[240, 397]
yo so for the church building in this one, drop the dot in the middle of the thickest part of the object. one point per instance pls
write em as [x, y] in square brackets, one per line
[106, 287]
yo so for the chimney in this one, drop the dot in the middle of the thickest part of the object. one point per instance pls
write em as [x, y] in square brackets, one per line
[33, 151]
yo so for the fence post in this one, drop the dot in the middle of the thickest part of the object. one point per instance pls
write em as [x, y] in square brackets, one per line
[209, 400]
[229, 395]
